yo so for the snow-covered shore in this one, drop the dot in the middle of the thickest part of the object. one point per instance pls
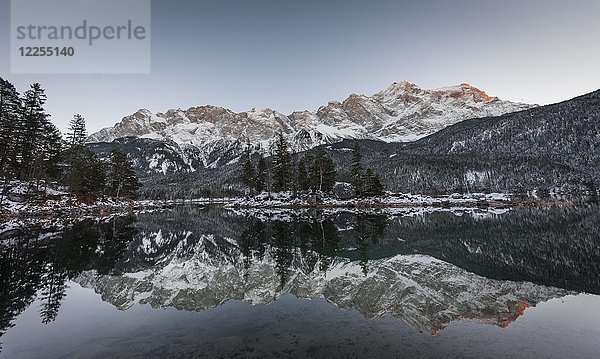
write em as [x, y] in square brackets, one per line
[20, 207]
[57, 214]
[53, 207]
[389, 200]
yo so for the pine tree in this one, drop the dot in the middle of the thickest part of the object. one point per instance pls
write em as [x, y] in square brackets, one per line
[356, 172]
[313, 176]
[77, 132]
[87, 176]
[373, 185]
[376, 186]
[34, 124]
[303, 177]
[249, 175]
[122, 180]
[10, 121]
[51, 151]
[282, 172]
[294, 176]
[260, 181]
[323, 171]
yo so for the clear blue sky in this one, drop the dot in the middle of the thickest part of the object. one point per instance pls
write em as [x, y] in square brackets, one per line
[294, 55]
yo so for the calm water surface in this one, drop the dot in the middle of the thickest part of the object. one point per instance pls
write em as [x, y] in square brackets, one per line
[208, 282]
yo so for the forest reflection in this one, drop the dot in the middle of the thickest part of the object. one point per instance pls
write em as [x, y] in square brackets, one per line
[315, 239]
[555, 247]
[38, 262]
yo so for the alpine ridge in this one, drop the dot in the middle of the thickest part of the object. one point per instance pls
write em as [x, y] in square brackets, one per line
[401, 113]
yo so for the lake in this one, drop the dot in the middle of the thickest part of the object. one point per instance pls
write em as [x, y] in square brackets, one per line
[211, 282]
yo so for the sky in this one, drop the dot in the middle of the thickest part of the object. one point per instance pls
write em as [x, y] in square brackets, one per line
[297, 55]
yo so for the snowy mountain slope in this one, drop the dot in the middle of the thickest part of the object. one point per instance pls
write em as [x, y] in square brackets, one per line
[402, 112]
[156, 157]
[567, 133]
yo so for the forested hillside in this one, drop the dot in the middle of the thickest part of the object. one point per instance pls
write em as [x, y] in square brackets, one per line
[550, 148]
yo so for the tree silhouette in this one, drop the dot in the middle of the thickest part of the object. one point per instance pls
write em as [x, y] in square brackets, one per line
[122, 180]
[77, 133]
[282, 171]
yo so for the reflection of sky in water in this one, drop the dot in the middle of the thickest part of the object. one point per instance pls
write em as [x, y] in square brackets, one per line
[560, 328]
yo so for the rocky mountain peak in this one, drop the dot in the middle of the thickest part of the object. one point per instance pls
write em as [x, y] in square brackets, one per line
[467, 92]
[403, 112]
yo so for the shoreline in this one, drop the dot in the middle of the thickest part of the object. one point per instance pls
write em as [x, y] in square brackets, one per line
[81, 210]
[56, 210]
[57, 216]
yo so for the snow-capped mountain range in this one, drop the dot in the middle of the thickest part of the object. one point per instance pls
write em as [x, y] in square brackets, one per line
[403, 112]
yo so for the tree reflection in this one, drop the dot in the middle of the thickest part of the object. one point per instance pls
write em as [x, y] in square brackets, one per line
[552, 246]
[42, 262]
[370, 229]
[302, 243]
[53, 290]
[21, 267]
[283, 242]
[555, 247]
[252, 242]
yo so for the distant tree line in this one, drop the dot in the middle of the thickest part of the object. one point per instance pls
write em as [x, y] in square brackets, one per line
[309, 173]
[34, 151]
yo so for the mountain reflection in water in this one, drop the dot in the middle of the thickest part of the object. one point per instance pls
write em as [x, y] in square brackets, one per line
[424, 268]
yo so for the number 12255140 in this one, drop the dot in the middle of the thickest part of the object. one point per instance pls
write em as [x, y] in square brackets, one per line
[47, 51]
